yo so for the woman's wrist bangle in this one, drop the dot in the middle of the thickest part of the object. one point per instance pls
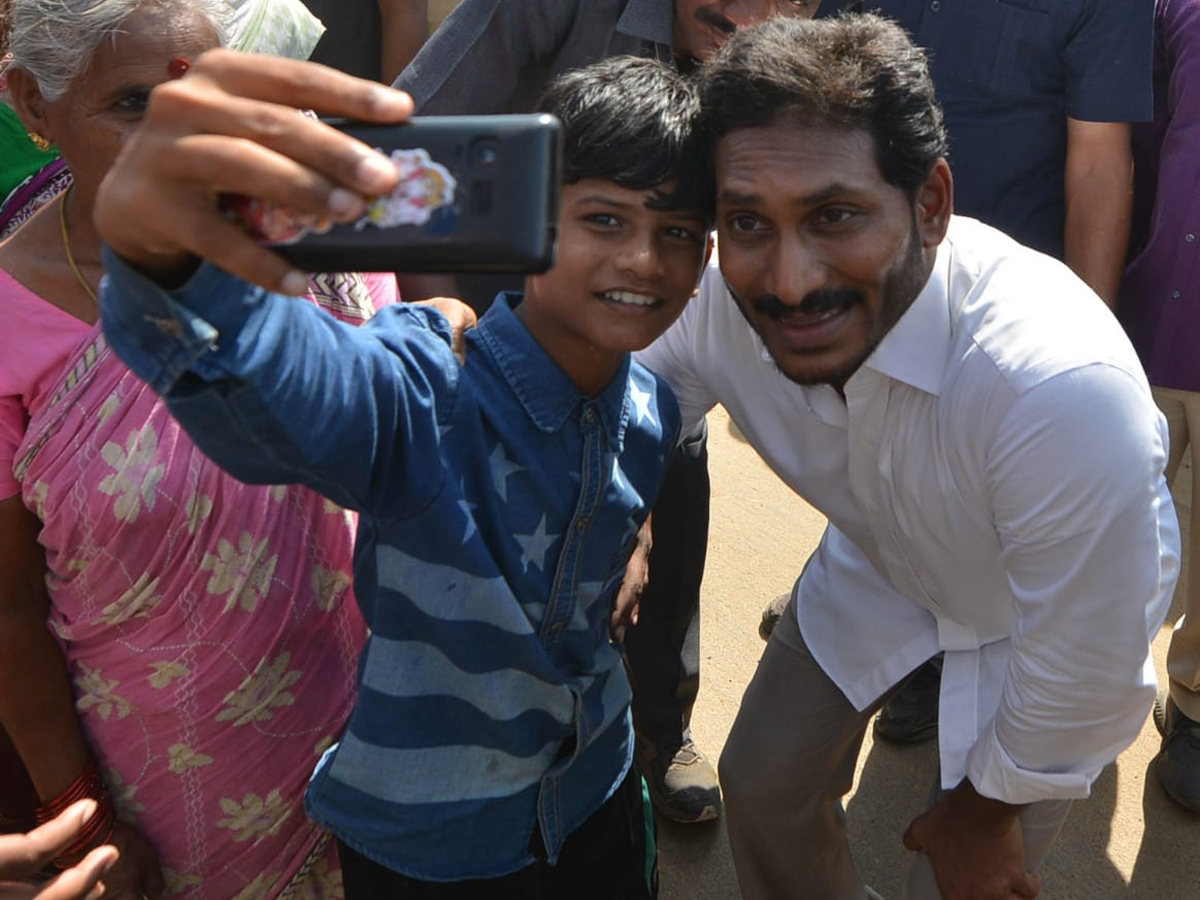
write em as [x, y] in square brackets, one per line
[98, 829]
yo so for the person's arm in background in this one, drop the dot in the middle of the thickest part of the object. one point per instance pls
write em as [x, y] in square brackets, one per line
[1162, 264]
[470, 66]
[472, 63]
[37, 708]
[1098, 185]
[404, 28]
[1109, 64]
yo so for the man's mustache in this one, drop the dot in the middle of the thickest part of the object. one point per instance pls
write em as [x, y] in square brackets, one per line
[814, 303]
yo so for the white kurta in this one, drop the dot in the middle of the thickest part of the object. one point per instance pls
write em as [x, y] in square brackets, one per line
[993, 482]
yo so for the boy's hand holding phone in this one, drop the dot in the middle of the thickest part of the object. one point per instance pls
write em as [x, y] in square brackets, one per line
[231, 126]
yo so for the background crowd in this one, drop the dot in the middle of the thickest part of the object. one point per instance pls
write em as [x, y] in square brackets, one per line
[1072, 127]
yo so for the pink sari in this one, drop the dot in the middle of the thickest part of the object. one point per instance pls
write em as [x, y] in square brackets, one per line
[209, 628]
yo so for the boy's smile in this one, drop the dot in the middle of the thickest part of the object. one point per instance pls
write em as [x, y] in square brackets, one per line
[624, 273]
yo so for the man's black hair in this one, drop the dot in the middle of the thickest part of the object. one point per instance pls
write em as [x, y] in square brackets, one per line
[635, 122]
[850, 72]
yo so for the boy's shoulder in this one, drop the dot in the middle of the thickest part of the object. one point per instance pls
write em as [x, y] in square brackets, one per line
[650, 393]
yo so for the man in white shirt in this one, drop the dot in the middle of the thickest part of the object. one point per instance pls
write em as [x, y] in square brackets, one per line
[978, 430]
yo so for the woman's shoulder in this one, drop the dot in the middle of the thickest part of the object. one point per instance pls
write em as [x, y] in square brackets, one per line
[36, 336]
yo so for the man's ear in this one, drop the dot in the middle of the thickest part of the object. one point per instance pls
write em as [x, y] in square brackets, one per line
[28, 102]
[708, 249]
[935, 204]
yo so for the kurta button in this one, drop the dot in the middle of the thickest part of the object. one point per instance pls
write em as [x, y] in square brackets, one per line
[935, 5]
[581, 525]
[1191, 239]
[556, 627]
[589, 415]
[1174, 295]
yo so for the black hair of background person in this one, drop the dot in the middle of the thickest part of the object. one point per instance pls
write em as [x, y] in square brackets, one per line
[352, 36]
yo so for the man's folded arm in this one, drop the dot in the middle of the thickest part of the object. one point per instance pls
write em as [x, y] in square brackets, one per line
[1091, 546]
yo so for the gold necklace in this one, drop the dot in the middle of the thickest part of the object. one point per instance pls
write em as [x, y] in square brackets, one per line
[66, 239]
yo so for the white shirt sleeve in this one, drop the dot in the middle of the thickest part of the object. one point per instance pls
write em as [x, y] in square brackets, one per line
[1090, 543]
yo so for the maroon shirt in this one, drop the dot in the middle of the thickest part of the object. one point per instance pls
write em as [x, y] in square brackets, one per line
[1160, 294]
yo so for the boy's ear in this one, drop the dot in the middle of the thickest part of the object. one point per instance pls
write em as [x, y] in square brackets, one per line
[709, 243]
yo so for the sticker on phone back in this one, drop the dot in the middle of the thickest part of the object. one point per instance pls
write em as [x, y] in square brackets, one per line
[424, 187]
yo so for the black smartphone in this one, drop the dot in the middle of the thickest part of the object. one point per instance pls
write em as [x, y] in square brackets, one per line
[476, 194]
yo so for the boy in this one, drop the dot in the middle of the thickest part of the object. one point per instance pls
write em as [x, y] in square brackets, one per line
[488, 753]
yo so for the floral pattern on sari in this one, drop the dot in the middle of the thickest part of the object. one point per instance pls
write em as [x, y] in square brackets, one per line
[209, 628]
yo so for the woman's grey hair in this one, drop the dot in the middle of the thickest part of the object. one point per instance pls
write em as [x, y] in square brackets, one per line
[55, 40]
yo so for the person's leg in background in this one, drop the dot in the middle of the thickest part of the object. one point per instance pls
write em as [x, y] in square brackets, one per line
[663, 650]
[911, 716]
[1178, 761]
[787, 763]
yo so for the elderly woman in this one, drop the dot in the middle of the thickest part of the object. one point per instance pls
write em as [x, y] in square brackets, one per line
[173, 644]
[31, 172]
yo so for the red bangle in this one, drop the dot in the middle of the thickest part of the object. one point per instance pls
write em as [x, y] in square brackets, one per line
[87, 784]
[99, 828]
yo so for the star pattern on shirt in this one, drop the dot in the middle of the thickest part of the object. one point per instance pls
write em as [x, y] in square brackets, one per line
[535, 546]
[641, 404]
[616, 477]
[468, 508]
[501, 468]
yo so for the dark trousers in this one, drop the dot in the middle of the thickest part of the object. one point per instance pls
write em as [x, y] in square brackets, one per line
[662, 651]
[611, 856]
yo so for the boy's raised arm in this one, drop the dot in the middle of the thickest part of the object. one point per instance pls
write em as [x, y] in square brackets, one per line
[270, 388]
[231, 126]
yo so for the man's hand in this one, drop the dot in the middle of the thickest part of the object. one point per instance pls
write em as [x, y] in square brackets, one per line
[976, 847]
[637, 576]
[461, 318]
[24, 855]
[232, 126]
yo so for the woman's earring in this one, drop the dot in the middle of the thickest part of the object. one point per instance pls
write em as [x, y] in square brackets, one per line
[40, 142]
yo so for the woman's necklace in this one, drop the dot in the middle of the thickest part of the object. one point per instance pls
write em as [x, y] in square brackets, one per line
[62, 219]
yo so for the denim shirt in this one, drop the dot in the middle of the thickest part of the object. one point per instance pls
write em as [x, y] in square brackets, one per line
[498, 509]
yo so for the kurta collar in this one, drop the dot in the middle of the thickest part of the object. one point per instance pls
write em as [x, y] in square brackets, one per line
[917, 349]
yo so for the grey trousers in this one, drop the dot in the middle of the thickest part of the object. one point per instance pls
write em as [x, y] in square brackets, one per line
[788, 762]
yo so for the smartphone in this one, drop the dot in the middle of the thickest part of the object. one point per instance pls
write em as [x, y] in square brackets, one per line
[476, 194]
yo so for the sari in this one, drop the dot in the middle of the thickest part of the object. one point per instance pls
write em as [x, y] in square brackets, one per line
[209, 627]
[32, 194]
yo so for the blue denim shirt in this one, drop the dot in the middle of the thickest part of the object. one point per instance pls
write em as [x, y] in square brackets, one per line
[498, 509]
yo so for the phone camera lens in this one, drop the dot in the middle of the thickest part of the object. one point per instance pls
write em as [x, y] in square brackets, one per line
[486, 153]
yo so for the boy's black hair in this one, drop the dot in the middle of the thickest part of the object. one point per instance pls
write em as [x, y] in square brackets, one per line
[635, 122]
